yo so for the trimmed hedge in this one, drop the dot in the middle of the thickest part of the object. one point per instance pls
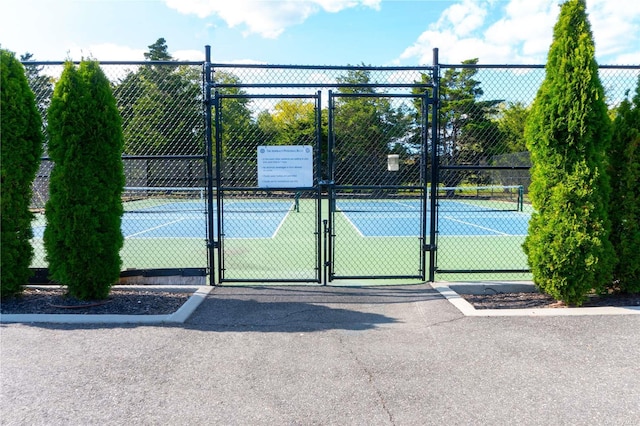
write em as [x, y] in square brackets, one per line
[567, 133]
[21, 144]
[84, 212]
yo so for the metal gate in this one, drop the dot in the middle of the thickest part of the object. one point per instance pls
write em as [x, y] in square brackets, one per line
[378, 217]
[268, 193]
[344, 196]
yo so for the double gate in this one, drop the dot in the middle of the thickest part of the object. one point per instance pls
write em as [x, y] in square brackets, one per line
[324, 200]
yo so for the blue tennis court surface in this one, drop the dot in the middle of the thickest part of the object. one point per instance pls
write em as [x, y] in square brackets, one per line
[403, 219]
[242, 219]
[189, 220]
[253, 220]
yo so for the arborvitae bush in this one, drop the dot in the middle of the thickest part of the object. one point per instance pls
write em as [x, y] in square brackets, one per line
[567, 133]
[84, 212]
[624, 206]
[21, 144]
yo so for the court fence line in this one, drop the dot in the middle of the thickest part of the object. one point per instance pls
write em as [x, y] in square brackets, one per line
[200, 145]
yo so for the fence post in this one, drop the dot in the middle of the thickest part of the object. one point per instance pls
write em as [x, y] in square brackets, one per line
[211, 245]
[435, 173]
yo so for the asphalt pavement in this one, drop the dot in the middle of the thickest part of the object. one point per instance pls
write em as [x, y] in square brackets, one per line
[297, 355]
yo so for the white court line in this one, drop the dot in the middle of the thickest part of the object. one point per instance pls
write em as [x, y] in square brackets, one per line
[154, 228]
[281, 222]
[353, 224]
[477, 226]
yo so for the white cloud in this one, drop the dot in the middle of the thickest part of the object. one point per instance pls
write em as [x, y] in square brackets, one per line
[522, 30]
[616, 29]
[463, 18]
[264, 17]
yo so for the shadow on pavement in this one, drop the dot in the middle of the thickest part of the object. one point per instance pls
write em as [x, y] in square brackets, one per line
[291, 309]
[288, 309]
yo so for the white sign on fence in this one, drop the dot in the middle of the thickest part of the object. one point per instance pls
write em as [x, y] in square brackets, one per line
[285, 166]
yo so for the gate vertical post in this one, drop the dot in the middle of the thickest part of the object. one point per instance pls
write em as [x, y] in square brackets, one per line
[318, 186]
[435, 172]
[328, 261]
[209, 167]
[218, 180]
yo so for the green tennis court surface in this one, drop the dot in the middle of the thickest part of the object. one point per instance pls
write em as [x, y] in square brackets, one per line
[268, 238]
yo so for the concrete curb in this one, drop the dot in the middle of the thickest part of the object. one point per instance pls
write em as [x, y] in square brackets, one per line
[467, 308]
[178, 317]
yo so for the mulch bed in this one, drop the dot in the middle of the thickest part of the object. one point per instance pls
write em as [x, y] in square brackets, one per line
[53, 300]
[538, 300]
[121, 301]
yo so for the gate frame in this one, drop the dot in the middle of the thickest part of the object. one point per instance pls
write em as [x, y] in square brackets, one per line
[213, 176]
[423, 186]
[221, 189]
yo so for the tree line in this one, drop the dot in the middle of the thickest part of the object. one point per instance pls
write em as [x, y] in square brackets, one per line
[161, 110]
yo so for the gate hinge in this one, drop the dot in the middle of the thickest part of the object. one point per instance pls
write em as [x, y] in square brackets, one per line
[429, 247]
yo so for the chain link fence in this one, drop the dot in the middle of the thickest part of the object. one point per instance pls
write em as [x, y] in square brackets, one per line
[377, 148]
[482, 115]
[161, 106]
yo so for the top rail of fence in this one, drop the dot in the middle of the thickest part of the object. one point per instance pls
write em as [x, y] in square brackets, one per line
[324, 67]
[178, 63]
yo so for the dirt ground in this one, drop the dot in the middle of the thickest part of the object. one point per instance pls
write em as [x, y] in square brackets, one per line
[538, 300]
[121, 301]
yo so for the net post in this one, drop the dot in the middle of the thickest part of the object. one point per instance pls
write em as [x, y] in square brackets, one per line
[521, 198]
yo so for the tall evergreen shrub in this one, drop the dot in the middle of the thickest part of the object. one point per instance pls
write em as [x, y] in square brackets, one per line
[21, 147]
[624, 206]
[84, 212]
[567, 133]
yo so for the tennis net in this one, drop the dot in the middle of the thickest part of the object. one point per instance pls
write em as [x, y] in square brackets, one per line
[163, 199]
[194, 199]
[449, 199]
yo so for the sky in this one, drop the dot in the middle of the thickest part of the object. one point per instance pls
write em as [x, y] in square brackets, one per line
[313, 32]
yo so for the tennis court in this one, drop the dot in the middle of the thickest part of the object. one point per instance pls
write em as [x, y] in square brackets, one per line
[170, 219]
[254, 220]
[402, 219]
[263, 236]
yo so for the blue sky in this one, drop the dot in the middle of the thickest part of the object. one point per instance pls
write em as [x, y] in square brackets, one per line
[323, 32]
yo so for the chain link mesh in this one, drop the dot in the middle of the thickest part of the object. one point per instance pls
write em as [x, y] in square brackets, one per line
[483, 164]
[482, 116]
[161, 106]
[265, 234]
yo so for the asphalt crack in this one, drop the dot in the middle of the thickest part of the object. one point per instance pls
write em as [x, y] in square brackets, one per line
[371, 379]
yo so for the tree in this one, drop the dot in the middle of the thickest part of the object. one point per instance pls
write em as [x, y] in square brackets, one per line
[366, 129]
[21, 147]
[158, 51]
[511, 122]
[84, 212]
[40, 84]
[469, 134]
[624, 204]
[295, 121]
[568, 132]
[161, 107]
